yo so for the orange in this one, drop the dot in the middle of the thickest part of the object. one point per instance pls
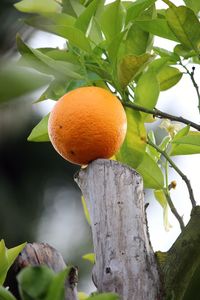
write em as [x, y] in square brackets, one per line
[87, 123]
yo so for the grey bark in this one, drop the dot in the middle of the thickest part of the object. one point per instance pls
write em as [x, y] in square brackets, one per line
[125, 261]
[43, 254]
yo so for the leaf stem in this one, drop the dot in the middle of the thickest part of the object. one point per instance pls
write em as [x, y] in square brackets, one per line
[191, 74]
[183, 176]
[173, 209]
[162, 115]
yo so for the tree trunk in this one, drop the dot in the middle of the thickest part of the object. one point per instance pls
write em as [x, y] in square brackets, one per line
[125, 261]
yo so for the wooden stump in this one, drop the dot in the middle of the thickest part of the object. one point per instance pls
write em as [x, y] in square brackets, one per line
[42, 254]
[125, 261]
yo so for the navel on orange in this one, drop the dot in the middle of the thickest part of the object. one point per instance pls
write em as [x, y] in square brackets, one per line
[87, 123]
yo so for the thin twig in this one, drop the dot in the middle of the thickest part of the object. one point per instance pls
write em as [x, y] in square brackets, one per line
[173, 210]
[169, 200]
[191, 74]
[162, 115]
[183, 176]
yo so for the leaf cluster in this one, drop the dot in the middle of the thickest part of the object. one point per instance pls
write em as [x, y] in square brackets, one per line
[42, 283]
[112, 46]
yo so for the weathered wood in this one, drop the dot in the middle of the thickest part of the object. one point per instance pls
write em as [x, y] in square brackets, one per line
[125, 261]
[43, 254]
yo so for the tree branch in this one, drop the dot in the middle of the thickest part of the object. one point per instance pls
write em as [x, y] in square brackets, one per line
[191, 74]
[183, 176]
[125, 262]
[162, 115]
[174, 211]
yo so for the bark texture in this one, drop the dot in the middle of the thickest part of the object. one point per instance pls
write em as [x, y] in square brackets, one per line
[43, 254]
[181, 264]
[125, 261]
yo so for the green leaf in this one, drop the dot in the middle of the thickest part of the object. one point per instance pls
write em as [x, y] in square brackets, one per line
[104, 296]
[84, 19]
[147, 90]
[164, 143]
[12, 253]
[42, 22]
[56, 290]
[64, 68]
[38, 6]
[172, 57]
[40, 131]
[112, 19]
[157, 27]
[62, 55]
[150, 150]
[151, 173]
[157, 64]
[155, 155]
[94, 32]
[21, 80]
[55, 67]
[54, 91]
[3, 261]
[137, 40]
[193, 4]
[185, 26]
[133, 148]
[183, 132]
[136, 8]
[85, 209]
[77, 7]
[90, 257]
[7, 257]
[188, 144]
[168, 77]
[183, 51]
[75, 36]
[114, 47]
[161, 198]
[5, 294]
[130, 66]
[34, 282]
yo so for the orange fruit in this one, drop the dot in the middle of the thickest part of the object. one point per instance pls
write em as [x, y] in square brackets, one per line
[87, 123]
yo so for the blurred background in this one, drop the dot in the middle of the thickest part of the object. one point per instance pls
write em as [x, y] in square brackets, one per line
[39, 201]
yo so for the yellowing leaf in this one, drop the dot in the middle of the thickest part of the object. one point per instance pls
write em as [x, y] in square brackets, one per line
[130, 66]
[90, 257]
[82, 296]
[85, 209]
[38, 6]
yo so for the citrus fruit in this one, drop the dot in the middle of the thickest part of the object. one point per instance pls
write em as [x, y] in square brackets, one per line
[87, 123]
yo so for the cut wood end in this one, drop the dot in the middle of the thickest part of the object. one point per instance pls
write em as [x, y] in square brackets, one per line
[79, 175]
